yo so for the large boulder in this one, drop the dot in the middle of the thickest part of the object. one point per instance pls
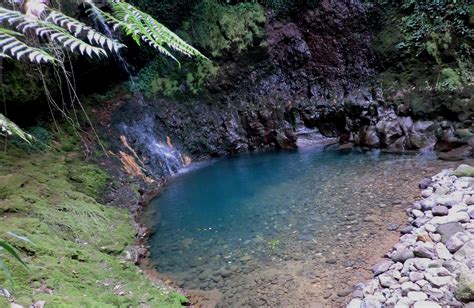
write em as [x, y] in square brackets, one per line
[422, 134]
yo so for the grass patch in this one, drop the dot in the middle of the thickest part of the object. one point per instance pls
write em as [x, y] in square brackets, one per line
[74, 258]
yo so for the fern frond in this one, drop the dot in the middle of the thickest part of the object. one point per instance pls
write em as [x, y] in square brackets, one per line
[133, 29]
[7, 127]
[142, 26]
[152, 28]
[12, 47]
[48, 30]
[76, 28]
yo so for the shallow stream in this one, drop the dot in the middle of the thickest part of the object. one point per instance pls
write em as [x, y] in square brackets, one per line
[287, 228]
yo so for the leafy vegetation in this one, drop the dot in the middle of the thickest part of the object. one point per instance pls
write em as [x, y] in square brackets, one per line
[449, 80]
[431, 25]
[160, 77]
[40, 136]
[9, 128]
[219, 28]
[415, 33]
[38, 33]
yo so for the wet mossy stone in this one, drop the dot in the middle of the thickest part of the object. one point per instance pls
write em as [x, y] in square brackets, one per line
[465, 289]
[464, 170]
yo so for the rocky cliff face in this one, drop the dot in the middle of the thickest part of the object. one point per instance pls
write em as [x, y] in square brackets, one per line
[314, 74]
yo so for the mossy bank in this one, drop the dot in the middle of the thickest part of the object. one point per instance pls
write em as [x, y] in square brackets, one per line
[75, 258]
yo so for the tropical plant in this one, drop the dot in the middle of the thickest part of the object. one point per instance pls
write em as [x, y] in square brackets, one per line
[32, 31]
[219, 27]
[160, 77]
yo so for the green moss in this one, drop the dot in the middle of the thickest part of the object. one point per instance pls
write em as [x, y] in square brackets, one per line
[20, 83]
[449, 80]
[161, 77]
[76, 242]
[87, 179]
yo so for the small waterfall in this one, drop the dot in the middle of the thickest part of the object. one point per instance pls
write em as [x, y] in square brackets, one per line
[157, 152]
[100, 23]
[171, 159]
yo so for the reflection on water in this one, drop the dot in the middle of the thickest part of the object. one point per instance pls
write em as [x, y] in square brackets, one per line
[281, 215]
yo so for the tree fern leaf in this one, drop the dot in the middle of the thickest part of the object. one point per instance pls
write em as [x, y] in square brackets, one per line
[10, 32]
[49, 30]
[141, 26]
[17, 48]
[13, 47]
[159, 33]
[76, 27]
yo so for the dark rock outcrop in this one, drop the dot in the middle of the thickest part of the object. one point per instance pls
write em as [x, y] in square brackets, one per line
[314, 75]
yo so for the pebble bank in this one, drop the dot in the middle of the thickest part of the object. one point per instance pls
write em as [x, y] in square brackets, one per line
[433, 263]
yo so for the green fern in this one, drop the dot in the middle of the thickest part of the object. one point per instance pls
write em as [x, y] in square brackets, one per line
[66, 32]
[77, 28]
[49, 31]
[69, 33]
[13, 47]
[142, 27]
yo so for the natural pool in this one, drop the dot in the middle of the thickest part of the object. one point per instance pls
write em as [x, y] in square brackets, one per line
[286, 228]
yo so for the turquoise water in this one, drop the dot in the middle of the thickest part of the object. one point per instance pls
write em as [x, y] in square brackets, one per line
[217, 224]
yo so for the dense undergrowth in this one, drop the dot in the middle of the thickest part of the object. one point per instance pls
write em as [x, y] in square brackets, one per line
[427, 44]
[75, 255]
[219, 30]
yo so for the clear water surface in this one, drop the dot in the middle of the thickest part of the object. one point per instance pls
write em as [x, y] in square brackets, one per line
[231, 221]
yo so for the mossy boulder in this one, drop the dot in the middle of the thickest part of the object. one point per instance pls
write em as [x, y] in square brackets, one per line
[464, 170]
[465, 289]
